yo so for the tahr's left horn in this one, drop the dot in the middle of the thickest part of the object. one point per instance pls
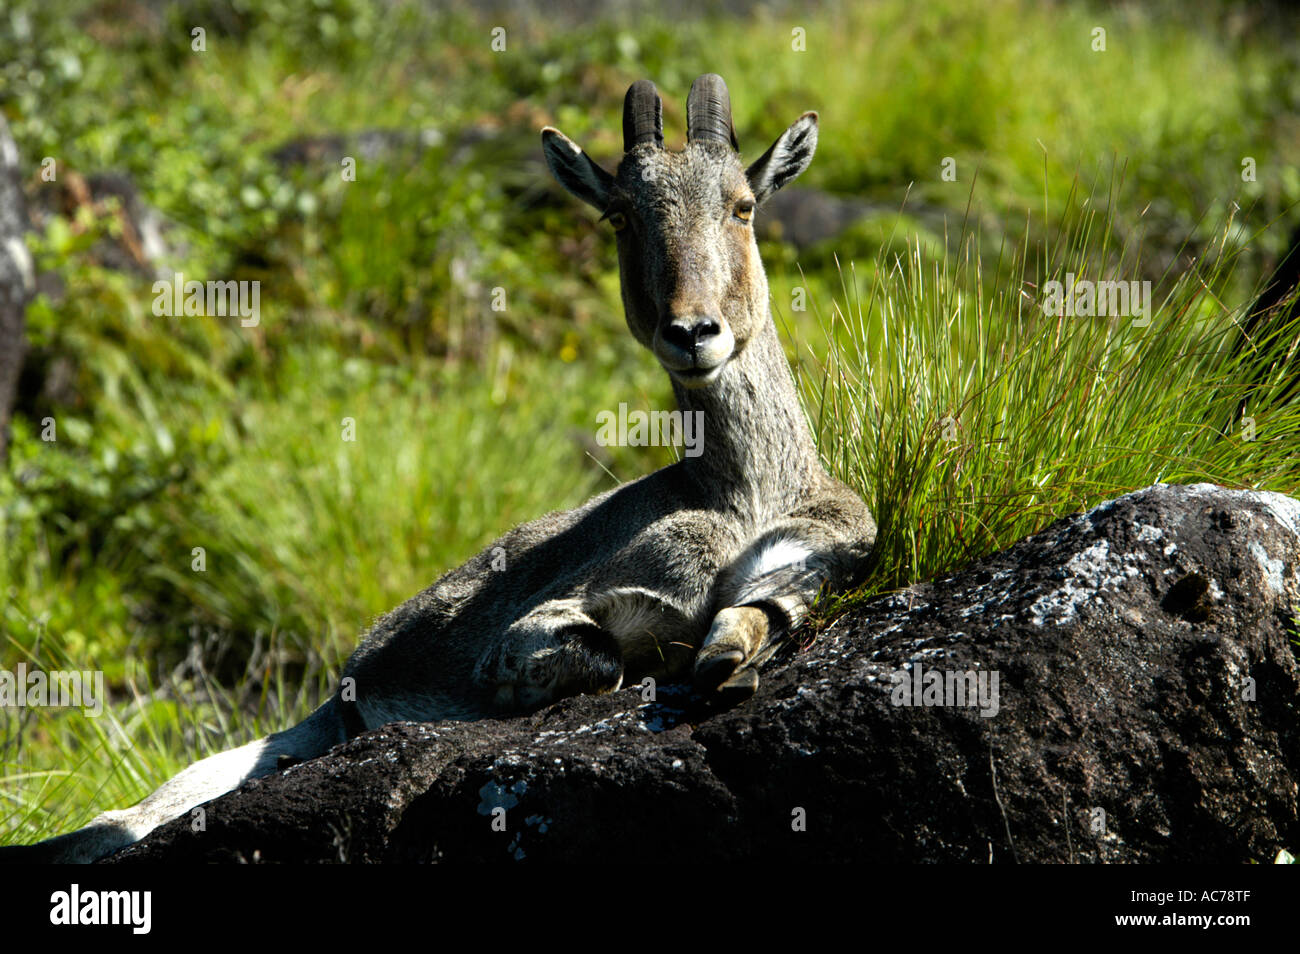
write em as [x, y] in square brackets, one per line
[643, 116]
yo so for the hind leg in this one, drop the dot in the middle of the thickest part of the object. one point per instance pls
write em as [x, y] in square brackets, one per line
[555, 651]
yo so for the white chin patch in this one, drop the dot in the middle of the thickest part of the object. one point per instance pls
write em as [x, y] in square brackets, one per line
[689, 379]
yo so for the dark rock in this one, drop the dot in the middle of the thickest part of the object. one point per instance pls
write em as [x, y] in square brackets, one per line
[141, 243]
[804, 216]
[379, 145]
[143, 246]
[17, 279]
[1146, 711]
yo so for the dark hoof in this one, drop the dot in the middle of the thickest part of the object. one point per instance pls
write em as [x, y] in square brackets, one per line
[714, 670]
[739, 687]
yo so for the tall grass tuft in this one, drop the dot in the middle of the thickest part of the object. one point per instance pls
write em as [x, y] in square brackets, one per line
[968, 417]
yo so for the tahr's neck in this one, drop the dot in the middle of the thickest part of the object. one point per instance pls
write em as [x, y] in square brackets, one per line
[757, 450]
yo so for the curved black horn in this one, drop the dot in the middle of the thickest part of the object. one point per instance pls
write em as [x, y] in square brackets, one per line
[708, 112]
[643, 116]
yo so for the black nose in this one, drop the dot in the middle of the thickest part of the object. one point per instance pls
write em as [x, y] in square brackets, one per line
[689, 333]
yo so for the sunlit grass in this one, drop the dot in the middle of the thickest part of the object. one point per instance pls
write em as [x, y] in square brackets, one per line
[968, 418]
[153, 727]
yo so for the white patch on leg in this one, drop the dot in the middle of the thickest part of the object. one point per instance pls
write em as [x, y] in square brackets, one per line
[777, 555]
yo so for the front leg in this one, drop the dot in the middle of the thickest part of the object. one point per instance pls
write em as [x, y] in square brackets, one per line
[731, 649]
[773, 585]
[767, 592]
[555, 650]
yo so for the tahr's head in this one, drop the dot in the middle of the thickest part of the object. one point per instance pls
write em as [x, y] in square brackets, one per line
[693, 285]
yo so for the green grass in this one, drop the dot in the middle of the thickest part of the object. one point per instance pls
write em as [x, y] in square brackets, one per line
[968, 418]
[923, 324]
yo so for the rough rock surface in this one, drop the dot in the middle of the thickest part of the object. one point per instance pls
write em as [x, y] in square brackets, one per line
[1146, 711]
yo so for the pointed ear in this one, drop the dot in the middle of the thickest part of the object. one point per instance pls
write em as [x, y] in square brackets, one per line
[787, 157]
[574, 169]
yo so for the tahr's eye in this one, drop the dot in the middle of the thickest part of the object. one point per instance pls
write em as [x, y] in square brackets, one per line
[744, 210]
[618, 220]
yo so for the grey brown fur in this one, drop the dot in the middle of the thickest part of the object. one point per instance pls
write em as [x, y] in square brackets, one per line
[699, 568]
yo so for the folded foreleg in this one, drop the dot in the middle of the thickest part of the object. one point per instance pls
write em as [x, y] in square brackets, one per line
[767, 592]
[556, 650]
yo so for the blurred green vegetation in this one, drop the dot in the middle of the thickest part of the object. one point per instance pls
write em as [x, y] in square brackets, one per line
[377, 303]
